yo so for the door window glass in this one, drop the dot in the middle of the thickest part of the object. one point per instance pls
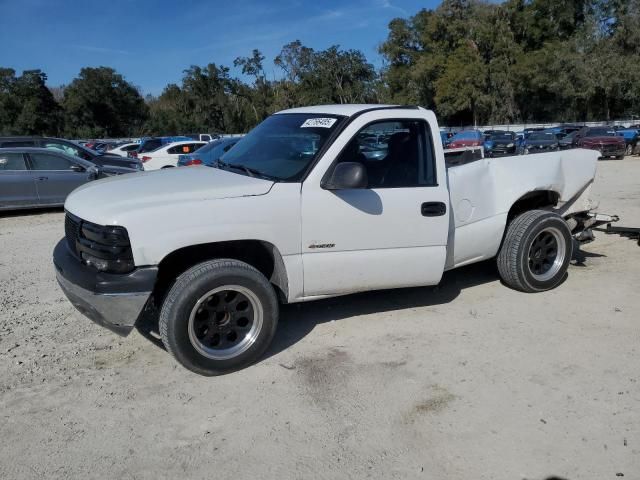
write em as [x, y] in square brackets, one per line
[46, 161]
[396, 154]
[12, 161]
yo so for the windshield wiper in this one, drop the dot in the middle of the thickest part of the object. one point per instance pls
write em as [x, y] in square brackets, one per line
[252, 172]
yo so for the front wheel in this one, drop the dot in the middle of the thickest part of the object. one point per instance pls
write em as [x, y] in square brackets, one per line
[536, 251]
[219, 316]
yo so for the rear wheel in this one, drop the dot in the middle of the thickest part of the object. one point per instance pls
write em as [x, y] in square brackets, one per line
[219, 316]
[629, 150]
[536, 251]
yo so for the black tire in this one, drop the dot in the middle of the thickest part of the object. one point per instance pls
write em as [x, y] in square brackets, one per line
[629, 150]
[526, 261]
[619, 157]
[187, 301]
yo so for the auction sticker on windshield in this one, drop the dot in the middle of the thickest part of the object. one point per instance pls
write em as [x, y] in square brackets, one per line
[318, 122]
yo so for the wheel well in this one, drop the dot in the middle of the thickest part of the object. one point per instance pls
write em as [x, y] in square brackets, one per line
[263, 256]
[532, 201]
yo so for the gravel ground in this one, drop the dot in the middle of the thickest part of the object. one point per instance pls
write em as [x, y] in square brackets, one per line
[468, 380]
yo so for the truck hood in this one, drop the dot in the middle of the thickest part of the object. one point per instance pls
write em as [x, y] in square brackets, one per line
[105, 201]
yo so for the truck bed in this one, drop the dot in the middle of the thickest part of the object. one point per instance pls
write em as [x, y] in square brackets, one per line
[482, 192]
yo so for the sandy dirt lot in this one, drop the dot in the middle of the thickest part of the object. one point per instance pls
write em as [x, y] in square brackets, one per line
[468, 380]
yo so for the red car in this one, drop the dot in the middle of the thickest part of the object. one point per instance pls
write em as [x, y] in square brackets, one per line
[466, 138]
[603, 139]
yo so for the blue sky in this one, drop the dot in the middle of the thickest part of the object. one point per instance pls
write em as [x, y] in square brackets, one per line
[152, 42]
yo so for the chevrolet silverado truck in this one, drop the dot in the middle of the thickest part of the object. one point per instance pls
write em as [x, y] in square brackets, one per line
[297, 212]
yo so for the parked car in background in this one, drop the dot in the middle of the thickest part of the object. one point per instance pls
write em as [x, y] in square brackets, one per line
[167, 155]
[528, 131]
[41, 177]
[569, 140]
[539, 141]
[562, 131]
[208, 154]
[445, 137]
[71, 148]
[123, 149]
[604, 139]
[104, 146]
[203, 137]
[153, 143]
[466, 138]
[499, 143]
[631, 136]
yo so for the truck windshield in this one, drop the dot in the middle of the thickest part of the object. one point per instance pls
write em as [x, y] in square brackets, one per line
[282, 146]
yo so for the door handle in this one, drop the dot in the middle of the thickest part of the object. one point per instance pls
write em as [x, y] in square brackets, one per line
[43, 178]
[433, 209]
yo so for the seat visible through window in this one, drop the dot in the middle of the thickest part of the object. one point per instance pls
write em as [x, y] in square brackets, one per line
[395, 153]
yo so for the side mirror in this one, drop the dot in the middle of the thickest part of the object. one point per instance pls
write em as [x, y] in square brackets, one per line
[347, 175]
[77, 168]
[94, 173]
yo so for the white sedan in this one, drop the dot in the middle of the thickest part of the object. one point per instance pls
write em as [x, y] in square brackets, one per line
[167, 155]
[122, 150]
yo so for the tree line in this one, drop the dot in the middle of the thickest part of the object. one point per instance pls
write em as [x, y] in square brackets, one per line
[471, 61]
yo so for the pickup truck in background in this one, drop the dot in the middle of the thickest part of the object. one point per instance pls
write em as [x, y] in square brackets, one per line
[295, 211]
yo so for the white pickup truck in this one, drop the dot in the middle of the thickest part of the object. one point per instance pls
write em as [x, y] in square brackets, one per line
[314, 202]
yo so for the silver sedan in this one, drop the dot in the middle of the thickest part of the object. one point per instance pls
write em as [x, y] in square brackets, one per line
[40, 177]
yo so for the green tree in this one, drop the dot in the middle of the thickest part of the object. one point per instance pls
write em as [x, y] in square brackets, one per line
[101, 103]
[9, 105]
[460, 90]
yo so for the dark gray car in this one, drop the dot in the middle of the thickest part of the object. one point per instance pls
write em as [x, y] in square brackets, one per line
[40, 177]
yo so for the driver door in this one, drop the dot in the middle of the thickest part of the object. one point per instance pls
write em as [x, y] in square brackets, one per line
[56, 176]
[392, 233]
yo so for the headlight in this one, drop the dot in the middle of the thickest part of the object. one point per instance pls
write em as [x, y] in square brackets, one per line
[511, 145]
[105, 248]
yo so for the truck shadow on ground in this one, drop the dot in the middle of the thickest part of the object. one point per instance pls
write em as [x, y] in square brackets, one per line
[298, 320]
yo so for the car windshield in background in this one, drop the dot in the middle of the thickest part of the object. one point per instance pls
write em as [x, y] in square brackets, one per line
[210, 146]
[502, 137]
[150, 146]
[601, 132]
[542, 136]
[281, 147]
[466, 136]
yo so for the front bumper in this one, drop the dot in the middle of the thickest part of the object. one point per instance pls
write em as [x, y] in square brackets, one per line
[114, 301]
[501, 151]
[609, 150]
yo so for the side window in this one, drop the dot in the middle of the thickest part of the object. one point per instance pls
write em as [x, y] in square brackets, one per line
[12, 161]
[397, 153]
[206, 138]
[131, 147]
[182, 149]
[228, 147]
[46, 161]
[68, 149]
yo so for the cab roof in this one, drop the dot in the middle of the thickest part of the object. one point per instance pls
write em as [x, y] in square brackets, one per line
[345, 110]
